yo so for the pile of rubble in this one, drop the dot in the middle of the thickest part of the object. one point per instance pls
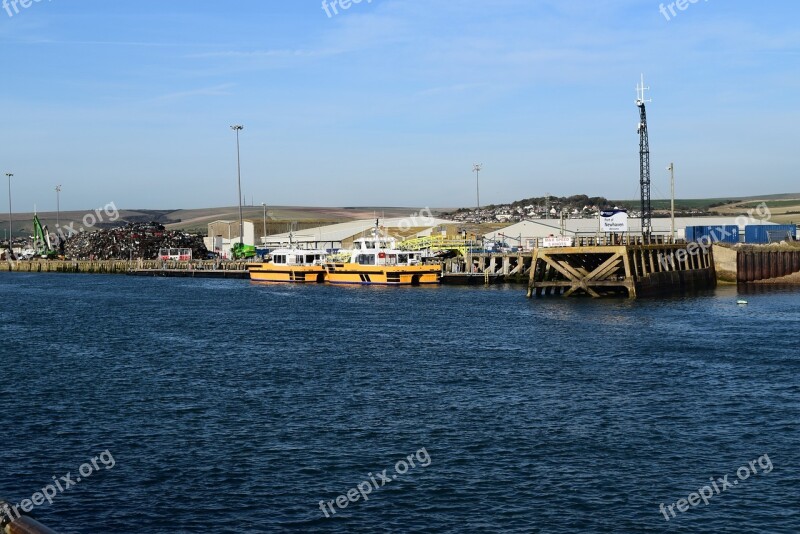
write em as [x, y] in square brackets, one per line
[132, 241]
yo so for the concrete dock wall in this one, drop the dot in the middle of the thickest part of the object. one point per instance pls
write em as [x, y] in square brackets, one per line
[116, 266]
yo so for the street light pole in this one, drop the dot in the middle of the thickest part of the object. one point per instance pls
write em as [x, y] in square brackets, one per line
[58, 206]
[476, 168]
[237, 128]
[671, 169]
[265, 223]
[10, 219]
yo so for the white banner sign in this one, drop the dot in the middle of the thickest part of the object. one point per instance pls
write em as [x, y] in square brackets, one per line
[549, 242]
[614, 222]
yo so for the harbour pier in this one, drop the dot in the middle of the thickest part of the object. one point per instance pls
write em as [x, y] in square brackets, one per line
[596, 267]
[630, 268]
[487, 268]
[625, 266]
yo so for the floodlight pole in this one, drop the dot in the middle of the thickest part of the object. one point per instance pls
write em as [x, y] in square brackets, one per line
[265, 223]
[238, 128]
[58, 206]
[10, 218]
[671, 170]
[476, 168]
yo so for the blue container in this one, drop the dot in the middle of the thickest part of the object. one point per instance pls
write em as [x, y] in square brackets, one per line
[769, 233]
[713, 234]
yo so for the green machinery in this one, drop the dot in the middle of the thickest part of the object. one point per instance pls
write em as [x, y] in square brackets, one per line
[41, 240]
[240, 251]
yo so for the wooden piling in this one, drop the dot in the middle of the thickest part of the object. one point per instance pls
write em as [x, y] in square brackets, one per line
[631, 270]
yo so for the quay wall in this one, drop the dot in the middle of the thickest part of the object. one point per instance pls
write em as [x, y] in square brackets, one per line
[755, 265]
[725, 261]
[672, 282]
[115, 266]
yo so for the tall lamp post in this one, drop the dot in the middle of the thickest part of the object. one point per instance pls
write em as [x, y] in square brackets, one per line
[265, 223]
[476, 168]
[58, 206]
[671, 170]
[10, 230]
[238, 128]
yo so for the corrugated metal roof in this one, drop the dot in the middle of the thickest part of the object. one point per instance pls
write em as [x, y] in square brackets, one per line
[341, 231]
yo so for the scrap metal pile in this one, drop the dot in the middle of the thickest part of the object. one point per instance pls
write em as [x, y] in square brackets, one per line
[132, 241]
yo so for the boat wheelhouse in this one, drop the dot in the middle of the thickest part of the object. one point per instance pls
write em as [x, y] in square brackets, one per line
[291, 265]
[376, 260]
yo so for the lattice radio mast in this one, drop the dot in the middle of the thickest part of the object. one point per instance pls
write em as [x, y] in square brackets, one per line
[644, 160]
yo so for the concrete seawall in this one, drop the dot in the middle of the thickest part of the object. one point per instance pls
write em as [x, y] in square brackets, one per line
[118, 266]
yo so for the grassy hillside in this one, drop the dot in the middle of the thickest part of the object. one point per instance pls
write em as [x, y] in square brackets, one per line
[196, 220]
[785, 208]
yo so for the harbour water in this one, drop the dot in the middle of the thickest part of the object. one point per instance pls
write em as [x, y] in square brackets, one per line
[230, 406]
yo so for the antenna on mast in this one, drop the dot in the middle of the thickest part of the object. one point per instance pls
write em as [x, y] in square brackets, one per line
[640, 89]
[644, 161]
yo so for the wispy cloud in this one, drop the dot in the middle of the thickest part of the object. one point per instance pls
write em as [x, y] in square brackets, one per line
[217, 90]
[260, 54]
[144, 44]
[452, 89]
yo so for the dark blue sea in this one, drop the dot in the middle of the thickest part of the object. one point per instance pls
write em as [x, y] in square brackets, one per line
[230, 407]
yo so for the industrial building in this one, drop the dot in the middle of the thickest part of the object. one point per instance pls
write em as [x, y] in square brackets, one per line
[222, 234]
[338, 236]
[524, 234]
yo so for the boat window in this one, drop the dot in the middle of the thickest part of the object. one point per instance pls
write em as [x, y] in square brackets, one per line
[366, 259]
[279, 259]
[402, 258]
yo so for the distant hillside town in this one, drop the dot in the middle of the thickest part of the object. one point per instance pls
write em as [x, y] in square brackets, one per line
[549, 207]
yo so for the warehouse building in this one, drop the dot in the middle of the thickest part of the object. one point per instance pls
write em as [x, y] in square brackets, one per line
[222, 235]
[525, 233]
[338, 236]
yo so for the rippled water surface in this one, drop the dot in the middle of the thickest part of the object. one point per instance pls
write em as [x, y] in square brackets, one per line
[234, 407]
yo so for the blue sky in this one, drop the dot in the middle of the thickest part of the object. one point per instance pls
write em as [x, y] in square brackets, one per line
[391, 101]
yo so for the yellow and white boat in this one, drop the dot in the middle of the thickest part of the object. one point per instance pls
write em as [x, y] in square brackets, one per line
[291, 265]
[375, 260]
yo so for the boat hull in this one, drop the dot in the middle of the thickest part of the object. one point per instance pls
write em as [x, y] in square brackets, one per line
[296, 274]
[413, 275]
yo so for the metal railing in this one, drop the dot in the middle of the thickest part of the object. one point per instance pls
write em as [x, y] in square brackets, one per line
[437, 243]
